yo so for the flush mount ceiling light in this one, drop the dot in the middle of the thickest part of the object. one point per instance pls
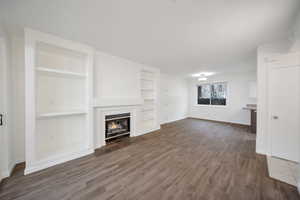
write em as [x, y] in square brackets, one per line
[203, 74]
[202, 78]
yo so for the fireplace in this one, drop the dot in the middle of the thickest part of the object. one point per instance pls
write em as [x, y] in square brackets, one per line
[117, 126]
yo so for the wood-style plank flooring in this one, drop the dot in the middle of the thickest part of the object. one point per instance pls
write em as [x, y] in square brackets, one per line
[185, 160]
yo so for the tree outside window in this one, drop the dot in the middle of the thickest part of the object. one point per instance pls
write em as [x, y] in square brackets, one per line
[212, 94]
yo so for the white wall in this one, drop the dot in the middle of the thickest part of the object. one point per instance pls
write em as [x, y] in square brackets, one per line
[173, 98]
[116, 78]
[295, 32]
[18, 98]
[238, 85]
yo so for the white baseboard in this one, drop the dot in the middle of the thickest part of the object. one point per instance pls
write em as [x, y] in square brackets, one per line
[149, 130]
[262, 151]
[224, 121]
[56, 160]
[99, 145]
[174, 120]
[7, 172]
[259, 151]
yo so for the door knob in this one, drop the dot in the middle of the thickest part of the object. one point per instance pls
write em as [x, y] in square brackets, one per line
[275, 117]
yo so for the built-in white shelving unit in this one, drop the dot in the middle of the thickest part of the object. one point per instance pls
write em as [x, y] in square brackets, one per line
[149, 110]
[58, 100]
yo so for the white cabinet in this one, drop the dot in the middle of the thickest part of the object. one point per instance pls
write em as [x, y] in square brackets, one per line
[58, 100]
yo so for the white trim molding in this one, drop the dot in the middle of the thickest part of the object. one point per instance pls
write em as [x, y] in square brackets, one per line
[115, 102]
[56, 160]
[173, 120]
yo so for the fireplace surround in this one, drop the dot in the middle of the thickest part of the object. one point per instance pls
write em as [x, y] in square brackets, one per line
[117, 125]
[100, 121]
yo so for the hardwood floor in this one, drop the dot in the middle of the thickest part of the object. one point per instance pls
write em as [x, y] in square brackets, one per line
[186, 160]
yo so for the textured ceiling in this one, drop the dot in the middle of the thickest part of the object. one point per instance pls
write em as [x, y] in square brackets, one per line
[178, 36]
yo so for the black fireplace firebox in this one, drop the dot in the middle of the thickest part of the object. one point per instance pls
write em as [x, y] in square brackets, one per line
[117, 126]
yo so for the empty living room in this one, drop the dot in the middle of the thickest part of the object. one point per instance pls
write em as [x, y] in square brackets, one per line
[149, 99]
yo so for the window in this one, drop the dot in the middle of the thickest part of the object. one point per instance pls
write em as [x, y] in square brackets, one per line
[212, 94]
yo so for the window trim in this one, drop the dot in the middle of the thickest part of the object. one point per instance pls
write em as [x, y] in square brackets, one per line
[210, 105]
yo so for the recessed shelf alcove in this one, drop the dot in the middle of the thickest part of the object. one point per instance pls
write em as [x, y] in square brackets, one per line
[58, 95]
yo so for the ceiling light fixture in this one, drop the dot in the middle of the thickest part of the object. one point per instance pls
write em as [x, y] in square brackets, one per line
[202, 79]
[203, 74]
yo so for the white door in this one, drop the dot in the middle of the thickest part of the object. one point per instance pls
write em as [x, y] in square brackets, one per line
[2, 96]
[284, 100]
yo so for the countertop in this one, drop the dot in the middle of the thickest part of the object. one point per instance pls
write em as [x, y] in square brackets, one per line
[250, 107]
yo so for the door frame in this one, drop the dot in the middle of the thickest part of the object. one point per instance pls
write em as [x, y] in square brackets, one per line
[4, 167]
[277, 61]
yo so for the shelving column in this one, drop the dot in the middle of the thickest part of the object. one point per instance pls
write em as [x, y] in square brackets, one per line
[149, 110]
[59, 116]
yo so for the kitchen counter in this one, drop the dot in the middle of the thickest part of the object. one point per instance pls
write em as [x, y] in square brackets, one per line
[252, 108]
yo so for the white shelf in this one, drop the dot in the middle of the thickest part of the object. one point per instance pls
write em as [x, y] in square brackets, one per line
[147, 71]
[60, 114]
[149, 99]
[147, 79]
[48, 71]
[147, 89]
[147, 74]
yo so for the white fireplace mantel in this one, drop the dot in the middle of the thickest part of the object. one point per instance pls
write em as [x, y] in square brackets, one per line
[101, 112]
[117, 102]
